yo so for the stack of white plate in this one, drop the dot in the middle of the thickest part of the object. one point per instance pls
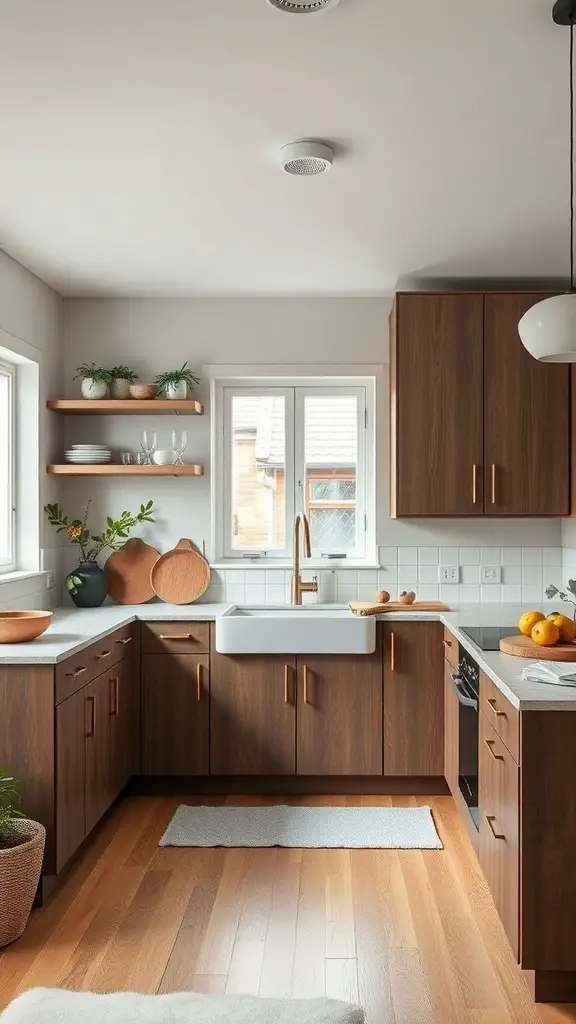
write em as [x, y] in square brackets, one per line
[89, 454]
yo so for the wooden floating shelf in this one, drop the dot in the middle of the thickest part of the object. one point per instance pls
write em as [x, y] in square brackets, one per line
[128, 407]
[111, 470]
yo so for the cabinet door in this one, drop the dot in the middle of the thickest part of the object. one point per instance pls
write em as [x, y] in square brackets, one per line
[175, 696]
[70, 776]
[436, 354]
[99, 781]
[498, 777]
[252, 715]
[413, 699]
[124, 710]
[339, 728]
[527, 414]
[451, 729]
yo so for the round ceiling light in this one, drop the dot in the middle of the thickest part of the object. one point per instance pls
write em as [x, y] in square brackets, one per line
[306, 158]
[303, 6]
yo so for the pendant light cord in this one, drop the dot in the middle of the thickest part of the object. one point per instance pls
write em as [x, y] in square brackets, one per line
[572, 284]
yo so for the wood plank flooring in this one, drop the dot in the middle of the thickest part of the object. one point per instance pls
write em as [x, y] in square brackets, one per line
[412, 936]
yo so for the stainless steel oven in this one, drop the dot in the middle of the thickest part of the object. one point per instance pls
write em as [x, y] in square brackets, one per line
[466, 683]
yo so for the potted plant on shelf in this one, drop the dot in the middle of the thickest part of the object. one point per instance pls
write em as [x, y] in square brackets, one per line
[95, 380]
[87, 583]
[121, 377]
[174, 384]
[21, 852]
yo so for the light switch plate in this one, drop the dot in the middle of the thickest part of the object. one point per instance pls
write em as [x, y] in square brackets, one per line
[490, 574]
[449, 574]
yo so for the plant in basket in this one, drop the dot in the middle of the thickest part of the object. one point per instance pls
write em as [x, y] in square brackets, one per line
[21, 852]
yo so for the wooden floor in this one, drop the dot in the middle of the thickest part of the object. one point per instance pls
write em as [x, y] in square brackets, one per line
[412, 936]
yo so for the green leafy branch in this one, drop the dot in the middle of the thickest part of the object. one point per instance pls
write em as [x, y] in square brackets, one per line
[568, 595]
[9, 801]
[117, 530]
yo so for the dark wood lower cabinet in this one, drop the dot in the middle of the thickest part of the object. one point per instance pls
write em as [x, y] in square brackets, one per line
[175, 714]
[98, 731]
[413, 698]
[339, 730]
[252, 715]
[124, 711]
[451, 729]
[70, 777]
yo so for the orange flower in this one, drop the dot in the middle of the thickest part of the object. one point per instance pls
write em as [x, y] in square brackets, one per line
[74, 532]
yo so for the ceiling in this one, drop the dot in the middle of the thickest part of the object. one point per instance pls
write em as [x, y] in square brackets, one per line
[139, 144]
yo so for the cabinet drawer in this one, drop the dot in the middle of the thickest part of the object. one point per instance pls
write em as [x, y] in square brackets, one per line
[75, 672]
[499, 810]
[175, 637]
[450, 645]
[501, 714]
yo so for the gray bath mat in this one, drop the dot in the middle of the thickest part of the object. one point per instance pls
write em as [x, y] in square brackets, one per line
[377, 828]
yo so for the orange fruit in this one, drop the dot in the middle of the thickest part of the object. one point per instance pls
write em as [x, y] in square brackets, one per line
[566, 626]
[528, 621]
[545, 633]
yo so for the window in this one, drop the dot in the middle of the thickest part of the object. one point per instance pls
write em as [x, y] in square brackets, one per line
[7, 540]
[287, 449]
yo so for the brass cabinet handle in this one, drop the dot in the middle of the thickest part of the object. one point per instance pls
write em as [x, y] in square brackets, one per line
[91, 720]
[490, 745]
[77, 672]
[175, 636]
[392, 652]
[474, 485]
[128, 640]
[286, 684]
[114, 695]
[493, 484]
[305, 682]
[105, 654]
[491, 818]
[199, 682]
[494, 708]
[447, 643]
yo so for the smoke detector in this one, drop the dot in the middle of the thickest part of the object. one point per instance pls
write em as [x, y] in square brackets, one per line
[306, 158]
[303, 6]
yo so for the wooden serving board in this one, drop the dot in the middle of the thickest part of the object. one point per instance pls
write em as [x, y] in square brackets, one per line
[371, 608]
[128, 572]
[181, 575]
[524, 647]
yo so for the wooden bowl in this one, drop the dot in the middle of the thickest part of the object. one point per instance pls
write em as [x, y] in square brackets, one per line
[18, 627]
[143, 391]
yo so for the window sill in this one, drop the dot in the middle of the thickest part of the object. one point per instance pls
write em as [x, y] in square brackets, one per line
[24, 582]
[315, 564]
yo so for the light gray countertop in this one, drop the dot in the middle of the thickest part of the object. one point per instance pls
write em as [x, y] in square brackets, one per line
[73, 629]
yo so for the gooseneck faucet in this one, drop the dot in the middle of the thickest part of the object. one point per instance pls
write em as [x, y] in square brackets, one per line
[298, 587]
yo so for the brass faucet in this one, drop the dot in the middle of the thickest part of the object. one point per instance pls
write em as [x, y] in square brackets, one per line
[298, 587]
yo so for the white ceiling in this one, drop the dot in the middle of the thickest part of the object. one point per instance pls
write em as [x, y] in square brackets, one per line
[138, 143]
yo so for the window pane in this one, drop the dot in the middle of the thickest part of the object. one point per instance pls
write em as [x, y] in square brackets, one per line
[258, 472]
[331, 452]
[5, 471]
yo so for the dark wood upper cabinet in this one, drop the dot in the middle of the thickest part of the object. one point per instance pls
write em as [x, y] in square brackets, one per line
[413, 699]
[252, 715]
[175, 715]
[339, 728]
[526, 418]
[436, 347]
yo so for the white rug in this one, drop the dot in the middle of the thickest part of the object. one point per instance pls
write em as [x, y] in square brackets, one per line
[372, 828]
[55, 1006]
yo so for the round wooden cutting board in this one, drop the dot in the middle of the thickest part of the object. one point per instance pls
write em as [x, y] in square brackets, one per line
[524, 647]
[181, 575]
[128, 572]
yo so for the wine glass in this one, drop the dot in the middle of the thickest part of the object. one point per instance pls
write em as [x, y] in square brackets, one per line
[148, 443]
[179, 443]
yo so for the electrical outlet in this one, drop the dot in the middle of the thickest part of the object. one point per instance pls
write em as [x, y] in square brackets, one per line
[449, 574]
[50, 580]
[490, 574]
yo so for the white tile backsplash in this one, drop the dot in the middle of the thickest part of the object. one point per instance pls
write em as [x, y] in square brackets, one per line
[491, 556]
[470, 575]
[407, 556]
[531, 556]
[511, 556]
[469, 556]
[428, 556]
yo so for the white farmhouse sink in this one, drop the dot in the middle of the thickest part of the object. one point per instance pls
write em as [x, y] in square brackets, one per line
[285, 629]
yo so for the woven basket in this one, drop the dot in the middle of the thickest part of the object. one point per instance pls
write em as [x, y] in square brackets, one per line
[20, 868]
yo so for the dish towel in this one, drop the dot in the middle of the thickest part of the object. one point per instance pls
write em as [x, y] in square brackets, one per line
[549, 672]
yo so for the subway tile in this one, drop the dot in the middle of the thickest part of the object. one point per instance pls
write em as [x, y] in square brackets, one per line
[469, 594]
[512, 575]
[368, 578]
[214, 595]
[388, 579]
[531, 556]
[491, 556]
[532, 576]
[428, 574]
[552, 556]
[449, 556]
[388, 556]
[407, 556]
[511, 556]
[235, 576]
[490, 594]
[347, 593]
[255, 593]
[347, 577]
[428, 556]
[427, 593]
[366, 592]
[327, 588]
[450, 593]
[236, 593]
[532, 595]
[275, 577]
[469, 556]
[470, 575]
[511, 593]
[275, 593]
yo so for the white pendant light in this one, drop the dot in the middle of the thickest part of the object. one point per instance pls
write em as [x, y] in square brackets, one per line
[548, 329]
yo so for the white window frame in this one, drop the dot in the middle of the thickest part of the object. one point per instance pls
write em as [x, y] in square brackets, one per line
[8, 564]
[294, 384]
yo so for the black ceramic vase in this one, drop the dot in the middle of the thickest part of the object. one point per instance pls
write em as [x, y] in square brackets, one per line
[87, 585]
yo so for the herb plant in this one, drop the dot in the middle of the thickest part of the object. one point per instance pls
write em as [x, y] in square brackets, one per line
[162, 380]
[9, 807]
[123, 373]
[96, 373]
[91, 544]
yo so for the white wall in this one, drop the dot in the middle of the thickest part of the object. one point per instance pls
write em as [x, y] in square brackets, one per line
[32, 313]
[156, 334]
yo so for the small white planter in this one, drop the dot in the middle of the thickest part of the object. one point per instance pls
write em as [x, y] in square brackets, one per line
[120, 389]
[93, 388]
[177, 392]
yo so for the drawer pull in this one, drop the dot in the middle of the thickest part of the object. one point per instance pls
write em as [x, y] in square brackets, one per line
[198, 682]
[493, 484]
[474, 487]
[91, 716]
[490, 745]
[105, 654]
[392, 652]
[447, 643]
[128, 640]
[494, 708]
[305, 683]
[286, 684]
[114, 696]
[77, 672]
[491, 818]
[176, 636]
